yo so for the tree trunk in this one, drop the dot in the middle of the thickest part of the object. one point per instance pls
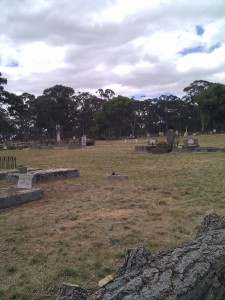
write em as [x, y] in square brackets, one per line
[195, 271]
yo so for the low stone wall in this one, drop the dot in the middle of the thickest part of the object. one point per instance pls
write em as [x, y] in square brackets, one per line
[12, 196]
[46, 175]
[194, 271]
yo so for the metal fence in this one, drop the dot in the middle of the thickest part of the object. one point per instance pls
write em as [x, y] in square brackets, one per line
[7, 162]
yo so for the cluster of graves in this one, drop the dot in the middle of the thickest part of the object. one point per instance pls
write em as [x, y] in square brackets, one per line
[51, 144]
[24, 178]
[172, 144]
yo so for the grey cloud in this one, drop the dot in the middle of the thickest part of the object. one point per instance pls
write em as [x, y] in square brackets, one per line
[90, 44]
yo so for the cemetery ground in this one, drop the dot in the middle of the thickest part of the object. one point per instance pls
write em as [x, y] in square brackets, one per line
[80, 230]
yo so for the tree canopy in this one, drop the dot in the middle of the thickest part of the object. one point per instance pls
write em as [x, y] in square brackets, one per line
[211, 103]
[104, 115]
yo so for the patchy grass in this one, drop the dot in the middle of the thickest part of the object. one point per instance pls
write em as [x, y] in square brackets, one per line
[82, 228]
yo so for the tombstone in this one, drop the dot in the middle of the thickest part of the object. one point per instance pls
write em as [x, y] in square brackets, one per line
[161, 133]
[152, 142]
[148, 135]
[191, 142]
[84, 141]
[186, 132]
[170, 136]
[25, 181]
[58, 138]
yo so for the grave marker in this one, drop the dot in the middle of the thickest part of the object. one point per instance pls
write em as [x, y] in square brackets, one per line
[25, 181]
[84, 141]
[170, 136]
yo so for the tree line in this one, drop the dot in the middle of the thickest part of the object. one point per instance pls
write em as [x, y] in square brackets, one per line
[104, 115]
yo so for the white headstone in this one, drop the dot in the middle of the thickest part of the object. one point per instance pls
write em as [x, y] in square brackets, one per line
[152, 142]
[191, 141]
[25, 181]
[84, 141]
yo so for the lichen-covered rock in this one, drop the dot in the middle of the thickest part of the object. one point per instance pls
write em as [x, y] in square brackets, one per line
[195, 271]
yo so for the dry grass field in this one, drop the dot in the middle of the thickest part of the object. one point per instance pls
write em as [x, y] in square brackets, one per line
[81, 229]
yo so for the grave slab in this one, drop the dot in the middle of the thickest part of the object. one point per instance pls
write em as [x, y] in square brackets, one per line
[46, 175]
[116, 176]
[4, 173]
[13, 196]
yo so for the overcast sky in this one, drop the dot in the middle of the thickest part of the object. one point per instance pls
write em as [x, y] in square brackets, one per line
[134, 47]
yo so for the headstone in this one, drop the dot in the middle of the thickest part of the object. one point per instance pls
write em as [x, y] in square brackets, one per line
[152, 142]
[170, 136]
[186, 132]
[148, 135]
[25, 181]
[191, 142]
[58, 138]
[84, 141]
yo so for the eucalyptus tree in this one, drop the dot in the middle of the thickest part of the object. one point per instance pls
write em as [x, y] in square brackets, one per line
[21, 112]
[211, 103]
[192, 91]
[115, 118]
[106, 94]
[87, 105]
[6, 126]
[55, 107]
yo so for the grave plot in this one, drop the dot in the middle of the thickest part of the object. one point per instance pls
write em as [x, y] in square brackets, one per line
[14, 196]
[4, 173]
[46, 175]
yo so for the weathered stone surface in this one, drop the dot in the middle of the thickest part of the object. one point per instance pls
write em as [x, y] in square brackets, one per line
[46, 175]
[4, 173]
[71, 292]
[116, 176]
[195, 271]
[13, 196]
